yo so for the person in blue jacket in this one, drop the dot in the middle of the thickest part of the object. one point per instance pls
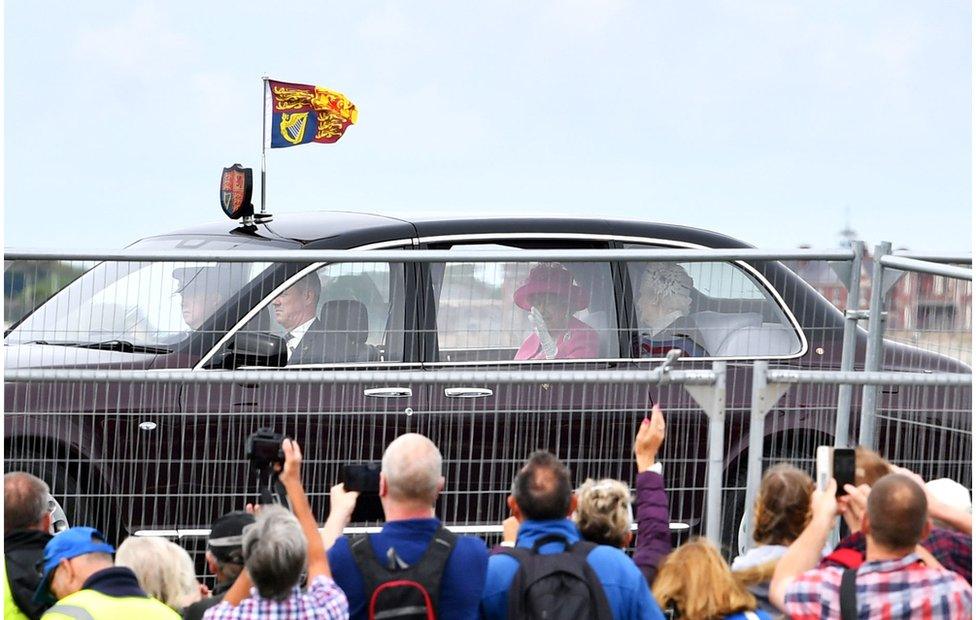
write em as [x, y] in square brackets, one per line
[410, 481]
[542, 500]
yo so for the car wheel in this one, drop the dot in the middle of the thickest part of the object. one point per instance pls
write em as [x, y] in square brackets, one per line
[734, 499]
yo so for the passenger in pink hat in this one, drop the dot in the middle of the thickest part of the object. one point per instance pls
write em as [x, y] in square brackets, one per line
[552, 297]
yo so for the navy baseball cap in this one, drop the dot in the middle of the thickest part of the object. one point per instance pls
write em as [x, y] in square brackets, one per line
[227, 536]
[68, 544]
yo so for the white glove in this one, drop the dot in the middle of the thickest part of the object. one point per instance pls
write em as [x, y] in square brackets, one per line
[545, 338]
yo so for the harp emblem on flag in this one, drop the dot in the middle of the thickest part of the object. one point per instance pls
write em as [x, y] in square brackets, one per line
[293, 126]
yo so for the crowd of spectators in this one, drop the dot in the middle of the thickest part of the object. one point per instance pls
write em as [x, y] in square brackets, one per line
[907, 552]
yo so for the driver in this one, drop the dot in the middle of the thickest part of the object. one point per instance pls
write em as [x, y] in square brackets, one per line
[203, 290]
[551, 297]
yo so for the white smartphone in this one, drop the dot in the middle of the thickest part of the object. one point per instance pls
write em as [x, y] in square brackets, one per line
[825, 466]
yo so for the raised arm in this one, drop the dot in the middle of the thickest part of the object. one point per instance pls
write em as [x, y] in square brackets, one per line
[290, 476]
[341, 505]
[804, 553]
[653, 530]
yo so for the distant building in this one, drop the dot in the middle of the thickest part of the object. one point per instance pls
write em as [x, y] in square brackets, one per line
[933, 312]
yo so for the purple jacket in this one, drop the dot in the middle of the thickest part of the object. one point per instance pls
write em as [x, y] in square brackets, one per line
[653, 531]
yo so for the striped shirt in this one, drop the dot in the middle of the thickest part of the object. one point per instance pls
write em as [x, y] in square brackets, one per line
[891, 589]
[323, 600]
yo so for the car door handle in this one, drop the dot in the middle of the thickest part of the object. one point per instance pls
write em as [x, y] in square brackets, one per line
[467, 392]
[388, 392]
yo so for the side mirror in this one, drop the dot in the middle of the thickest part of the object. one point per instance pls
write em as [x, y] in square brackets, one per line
[256, 349]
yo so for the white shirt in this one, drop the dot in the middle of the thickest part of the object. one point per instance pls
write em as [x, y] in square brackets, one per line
[296, 336]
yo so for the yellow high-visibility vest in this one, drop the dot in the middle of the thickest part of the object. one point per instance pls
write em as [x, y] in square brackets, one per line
[10, 609]
[93, 605]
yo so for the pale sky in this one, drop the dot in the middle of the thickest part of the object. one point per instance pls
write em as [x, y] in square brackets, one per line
[764, 120]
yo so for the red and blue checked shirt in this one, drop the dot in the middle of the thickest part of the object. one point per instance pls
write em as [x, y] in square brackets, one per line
[323, 600]
[953, 550]
[888, 590]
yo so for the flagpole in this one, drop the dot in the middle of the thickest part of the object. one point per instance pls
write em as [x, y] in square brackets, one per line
[264, 135]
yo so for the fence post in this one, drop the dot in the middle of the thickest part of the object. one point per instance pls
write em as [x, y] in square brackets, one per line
[852, 313]
[716, 459]
[764, 396]
[875, 349]
[711, 398]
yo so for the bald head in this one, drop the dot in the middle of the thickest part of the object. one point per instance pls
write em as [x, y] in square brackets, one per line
[412, 468]
[24, 502]
[897, 513]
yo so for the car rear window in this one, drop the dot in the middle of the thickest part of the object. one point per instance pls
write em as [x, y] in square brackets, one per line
[707, 309]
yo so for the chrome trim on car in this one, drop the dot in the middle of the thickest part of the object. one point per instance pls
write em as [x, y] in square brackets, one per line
[415, 242]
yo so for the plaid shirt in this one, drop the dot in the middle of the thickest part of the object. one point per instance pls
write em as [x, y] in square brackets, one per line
[953, 550]
[892, 589]
[323, 600]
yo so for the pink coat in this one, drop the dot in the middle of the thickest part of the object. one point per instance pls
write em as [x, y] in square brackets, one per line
[580, 342]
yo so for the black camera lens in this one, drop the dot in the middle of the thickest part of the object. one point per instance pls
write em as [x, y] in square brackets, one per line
[263, 449]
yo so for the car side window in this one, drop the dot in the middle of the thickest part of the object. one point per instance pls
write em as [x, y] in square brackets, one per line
[707, 309]
[515, 311]
[340, 313]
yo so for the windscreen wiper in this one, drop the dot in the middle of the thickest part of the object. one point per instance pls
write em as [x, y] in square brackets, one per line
[122, 346]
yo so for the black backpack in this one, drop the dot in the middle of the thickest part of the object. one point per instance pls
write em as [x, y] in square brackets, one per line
[556, 585]
[405, 593]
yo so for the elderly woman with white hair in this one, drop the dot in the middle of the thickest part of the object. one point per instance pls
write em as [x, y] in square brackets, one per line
[163, 568]
[663, 312]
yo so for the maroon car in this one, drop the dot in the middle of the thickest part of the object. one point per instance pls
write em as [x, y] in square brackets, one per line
[169, 458]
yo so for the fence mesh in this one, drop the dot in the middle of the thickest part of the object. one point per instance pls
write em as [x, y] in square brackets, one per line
[162, 457]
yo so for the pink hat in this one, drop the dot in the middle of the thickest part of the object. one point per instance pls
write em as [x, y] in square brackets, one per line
[555, 279]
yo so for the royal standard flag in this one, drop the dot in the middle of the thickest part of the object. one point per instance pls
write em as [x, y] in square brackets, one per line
[302, 113]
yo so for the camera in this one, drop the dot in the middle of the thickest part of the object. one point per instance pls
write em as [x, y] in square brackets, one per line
[362, 477]
[263, 449]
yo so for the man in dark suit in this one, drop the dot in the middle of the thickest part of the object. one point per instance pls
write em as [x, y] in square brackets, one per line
[294, 309]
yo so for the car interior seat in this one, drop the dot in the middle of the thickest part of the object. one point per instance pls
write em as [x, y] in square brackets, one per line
[346, 326]
[716, 327]
[764, 339]
[600, 323]
[743, 334]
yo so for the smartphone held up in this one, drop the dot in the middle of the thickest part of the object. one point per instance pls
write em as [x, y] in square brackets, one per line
[836, 463]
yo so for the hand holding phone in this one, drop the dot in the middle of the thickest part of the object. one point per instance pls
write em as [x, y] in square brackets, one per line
[363, 478]
[836, 463]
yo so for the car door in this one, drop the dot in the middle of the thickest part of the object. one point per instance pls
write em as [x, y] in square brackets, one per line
[479, 318]
[712, 310]
[362, 319]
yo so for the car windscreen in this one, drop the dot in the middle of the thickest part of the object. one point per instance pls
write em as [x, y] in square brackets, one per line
[142, 305]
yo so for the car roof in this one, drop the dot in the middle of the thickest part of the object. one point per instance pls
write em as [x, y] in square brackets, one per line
[345, 229]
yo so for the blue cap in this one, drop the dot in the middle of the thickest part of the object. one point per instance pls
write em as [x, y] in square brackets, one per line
[66, 545]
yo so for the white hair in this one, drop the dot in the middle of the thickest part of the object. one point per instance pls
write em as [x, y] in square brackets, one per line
[163, 568]
[275, 550]
[664, 288]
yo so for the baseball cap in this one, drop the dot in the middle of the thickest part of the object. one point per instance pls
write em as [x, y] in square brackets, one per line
[227, 536]
[66, 545]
